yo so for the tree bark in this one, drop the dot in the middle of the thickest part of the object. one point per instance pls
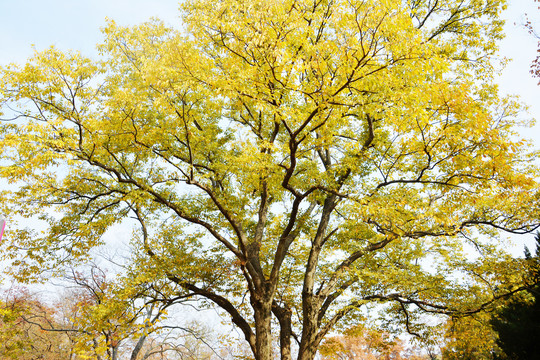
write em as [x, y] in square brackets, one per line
[263, 329]
[283, 315]
[307, 349]
[138, 347]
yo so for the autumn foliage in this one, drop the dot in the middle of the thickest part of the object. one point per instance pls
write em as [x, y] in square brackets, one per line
[289, 163]
[361, 343]
[24, 321]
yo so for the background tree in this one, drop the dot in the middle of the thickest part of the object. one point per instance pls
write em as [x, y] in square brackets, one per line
[535, 66]
[108, 324]
[507, 332]
[288, 162]
[361, 343]
[112, 320]
[518, 322]
[471, 338]
[83, 324]
[23, 323]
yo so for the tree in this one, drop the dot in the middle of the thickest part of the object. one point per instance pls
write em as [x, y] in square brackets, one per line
[518, 322]
[288, 162]
[107, 323]
[471, 338]
[510, 331]
[92, 321]
[360, 343]
[535, 66]
[23, 320]
[107, 320]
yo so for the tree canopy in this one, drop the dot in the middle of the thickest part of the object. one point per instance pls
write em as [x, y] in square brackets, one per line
[289, 162]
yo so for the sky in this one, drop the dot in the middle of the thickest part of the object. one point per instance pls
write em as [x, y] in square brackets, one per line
[69, 24]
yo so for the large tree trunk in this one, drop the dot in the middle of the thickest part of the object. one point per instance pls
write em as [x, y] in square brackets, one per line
[263, 330]
[310, 301]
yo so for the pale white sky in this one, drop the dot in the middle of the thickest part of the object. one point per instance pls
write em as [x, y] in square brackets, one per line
[69, 24]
